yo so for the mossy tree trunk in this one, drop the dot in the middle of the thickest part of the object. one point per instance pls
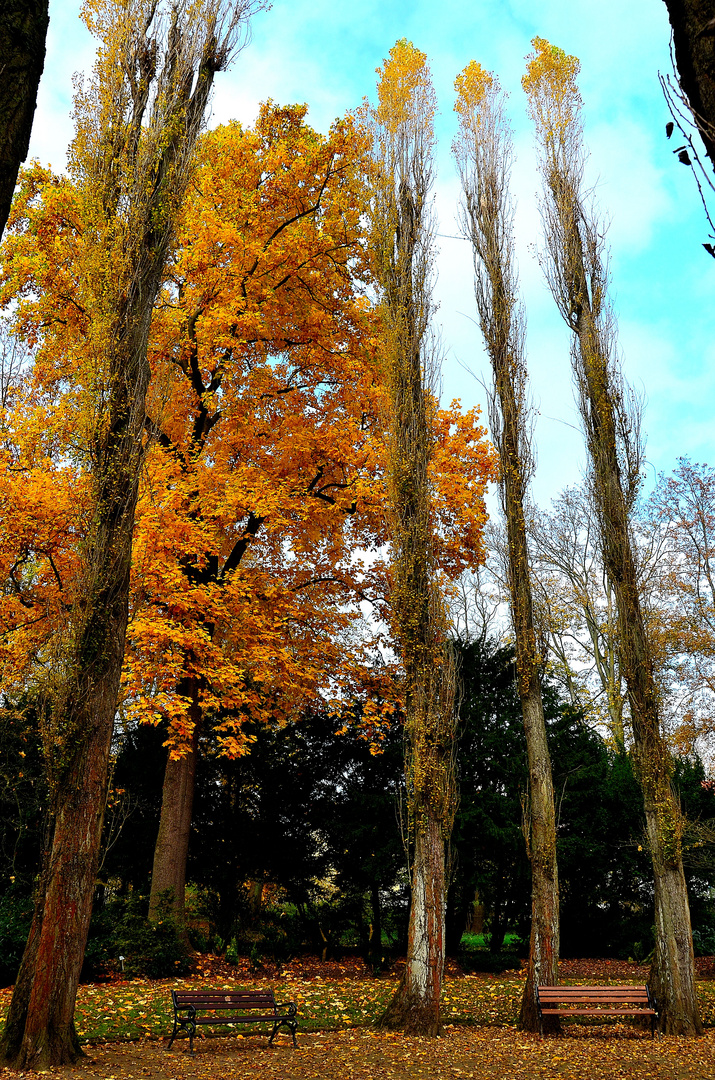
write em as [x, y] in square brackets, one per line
[483, 152]
[578, 280]
[134, 177]
[40, 1030]
[401, 236]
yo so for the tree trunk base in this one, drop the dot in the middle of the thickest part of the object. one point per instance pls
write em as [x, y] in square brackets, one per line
[45, 1049]
[410, 1014]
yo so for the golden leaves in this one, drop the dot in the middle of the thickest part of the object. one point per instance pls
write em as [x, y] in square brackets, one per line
[404, 90]
[553, 94]
[473, 84]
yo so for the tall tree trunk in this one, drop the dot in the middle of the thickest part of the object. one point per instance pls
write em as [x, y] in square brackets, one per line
[168, 879]
[673, 970]
[136, 186]
[40, 1028]
[578, 280]
[541, 834]
[415, 1008]
[23, 31]
[375, 941]
[540, 822]
[401, 235]
[483, 151]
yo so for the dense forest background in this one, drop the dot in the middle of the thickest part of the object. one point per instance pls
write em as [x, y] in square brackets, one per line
[298, 846]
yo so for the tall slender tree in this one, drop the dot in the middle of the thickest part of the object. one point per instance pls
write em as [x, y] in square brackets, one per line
[483, 152]
[578, 278]
[402, 226]
[136, 128]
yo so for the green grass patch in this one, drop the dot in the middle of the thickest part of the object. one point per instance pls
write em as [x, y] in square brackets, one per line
[479, 941]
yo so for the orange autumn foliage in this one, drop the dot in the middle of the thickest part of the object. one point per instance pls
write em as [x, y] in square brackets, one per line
[260, 528]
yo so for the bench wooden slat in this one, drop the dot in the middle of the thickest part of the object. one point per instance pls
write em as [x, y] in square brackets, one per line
[595, 997]
[602, 1012]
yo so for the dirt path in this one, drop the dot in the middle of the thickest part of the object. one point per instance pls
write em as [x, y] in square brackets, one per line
[608, 1053]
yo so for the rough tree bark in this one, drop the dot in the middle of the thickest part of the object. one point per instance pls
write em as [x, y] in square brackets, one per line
[693, 23]
[578, 281]
[483, 153]
[23, 31]
[401, 235]
[134, 176]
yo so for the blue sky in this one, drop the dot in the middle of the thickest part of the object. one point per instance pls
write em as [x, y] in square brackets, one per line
[324, 52]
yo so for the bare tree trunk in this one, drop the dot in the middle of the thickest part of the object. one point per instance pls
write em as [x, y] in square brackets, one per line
[483, 152]
[578, 281]
[23, 30]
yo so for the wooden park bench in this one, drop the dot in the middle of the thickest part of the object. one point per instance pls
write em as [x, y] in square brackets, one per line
[596, 1001]
[218, 1007]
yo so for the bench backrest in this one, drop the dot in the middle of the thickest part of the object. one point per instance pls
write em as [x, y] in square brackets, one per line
[565, 995]
[224, 999]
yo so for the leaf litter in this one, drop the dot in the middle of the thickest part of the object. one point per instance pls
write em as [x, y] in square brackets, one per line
[125, 1026]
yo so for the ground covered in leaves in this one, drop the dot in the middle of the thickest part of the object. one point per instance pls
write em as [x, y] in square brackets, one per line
[124, 1027]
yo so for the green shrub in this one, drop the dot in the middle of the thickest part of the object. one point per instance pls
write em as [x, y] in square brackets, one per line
[200, 907]
[150, 948]
[122, 928]
[15, 919]
[231, 955]
[275, 935]
[704, 941]
[484, 960]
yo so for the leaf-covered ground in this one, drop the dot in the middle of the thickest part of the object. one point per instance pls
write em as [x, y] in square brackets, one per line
[124, 1027]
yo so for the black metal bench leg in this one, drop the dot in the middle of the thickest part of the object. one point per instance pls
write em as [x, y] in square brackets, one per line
[175, 1032]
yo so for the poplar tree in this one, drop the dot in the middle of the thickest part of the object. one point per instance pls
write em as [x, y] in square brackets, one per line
[576, 271]
[483, 152]
[136, 126]
[402, 229]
